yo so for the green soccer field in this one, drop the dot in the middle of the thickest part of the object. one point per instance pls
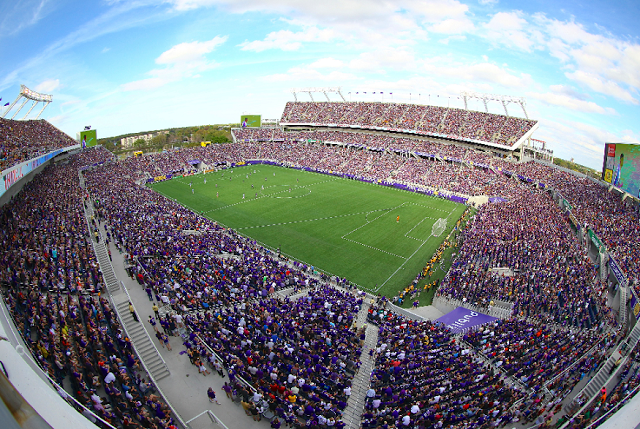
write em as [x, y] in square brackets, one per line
[342, 227]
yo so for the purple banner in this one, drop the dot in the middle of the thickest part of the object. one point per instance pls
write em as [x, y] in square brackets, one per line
[635, 305]
[617, 271]
[462, 319]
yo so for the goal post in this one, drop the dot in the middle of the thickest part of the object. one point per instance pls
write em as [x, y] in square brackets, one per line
[438, 227]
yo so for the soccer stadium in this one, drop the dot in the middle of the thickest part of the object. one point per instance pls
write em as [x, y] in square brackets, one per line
[277, 270]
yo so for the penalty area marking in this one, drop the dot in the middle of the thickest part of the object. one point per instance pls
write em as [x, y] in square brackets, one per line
[302, 221]
[290, 188]
[401, 267]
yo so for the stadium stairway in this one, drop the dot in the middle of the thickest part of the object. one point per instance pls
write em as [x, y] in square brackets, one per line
[99, 249]
[622, 313]
[362, 380]
[501, 309]
[110, 280]
[607, 371]
[145, 348]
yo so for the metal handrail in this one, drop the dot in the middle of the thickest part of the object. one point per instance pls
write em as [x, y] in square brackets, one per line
[145, 331]
[155, 383]
[403, 311]
[575, 362]
[615, 407]
[204, 343]
[212, 416]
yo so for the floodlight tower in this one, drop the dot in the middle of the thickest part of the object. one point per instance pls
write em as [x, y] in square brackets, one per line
[505, 100]
[311, 91]
[34, 96]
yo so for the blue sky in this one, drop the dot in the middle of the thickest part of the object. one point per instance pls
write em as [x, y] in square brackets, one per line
[127, 66]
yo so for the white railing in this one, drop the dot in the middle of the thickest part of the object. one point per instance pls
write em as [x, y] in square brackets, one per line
[212, 417]
[155, 383]
[145, 331]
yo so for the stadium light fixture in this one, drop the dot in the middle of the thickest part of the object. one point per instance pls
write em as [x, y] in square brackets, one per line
[505, 100]
[29, 94]
[311, 91]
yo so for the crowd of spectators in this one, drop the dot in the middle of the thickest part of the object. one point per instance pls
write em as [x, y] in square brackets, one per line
[298, 356]
[549, 275]
[44, 233]
[24, 140]
[79, 342]
[52, 281]
[375, 142]
[428, 120]
[423, 377]
[614, 221]
[521, 251]
[608, 402]
[529, 351]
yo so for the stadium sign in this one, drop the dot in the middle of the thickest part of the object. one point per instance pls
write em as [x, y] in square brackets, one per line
[251, 121]
[13, 175]
[617, 271]
[573, 220]
[635, 305]
[462, 319]
[620, 166]
[595, 240]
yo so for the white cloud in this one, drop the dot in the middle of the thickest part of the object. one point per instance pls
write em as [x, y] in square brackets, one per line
[483, 72]
[369, 20]
[602, 86]
[288, 40]
[20, 15]
[452, 26]
[326, 63]
[457, 38]
[599, 61]
[434, 10]
[628, 68]
[336, 10]
[105, 50]
[181, 61]
[569, 102]
[486, 2]
[569, 91]
[384, 58]
[309, 75]
[189, 52]
[509, 29]
[48, 86]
